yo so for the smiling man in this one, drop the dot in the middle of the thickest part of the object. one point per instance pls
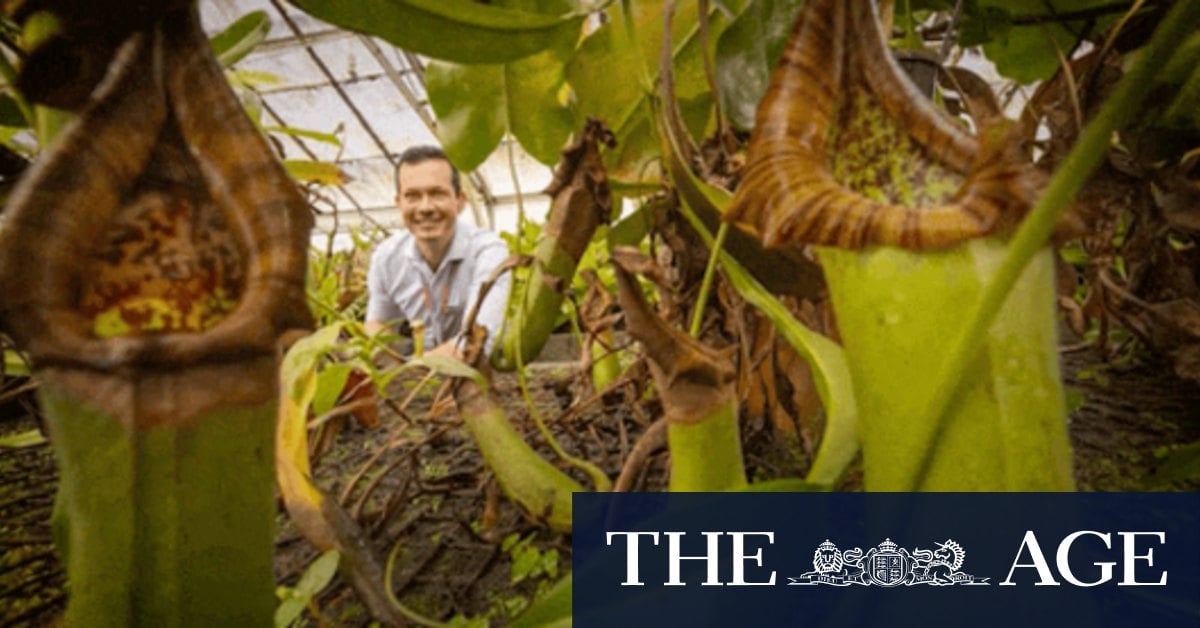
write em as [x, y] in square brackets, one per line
[432, 272]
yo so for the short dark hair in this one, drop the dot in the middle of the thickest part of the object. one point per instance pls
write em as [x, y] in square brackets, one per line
[426, 152]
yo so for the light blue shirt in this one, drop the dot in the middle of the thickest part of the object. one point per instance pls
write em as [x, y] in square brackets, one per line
[401, 285]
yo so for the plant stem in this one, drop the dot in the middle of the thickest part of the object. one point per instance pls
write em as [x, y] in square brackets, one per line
[706, 284]
[1036, 229]
[516, 180]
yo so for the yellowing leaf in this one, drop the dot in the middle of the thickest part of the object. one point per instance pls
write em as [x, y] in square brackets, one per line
[307, 171]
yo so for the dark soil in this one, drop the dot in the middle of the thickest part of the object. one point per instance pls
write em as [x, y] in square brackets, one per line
[454, 537]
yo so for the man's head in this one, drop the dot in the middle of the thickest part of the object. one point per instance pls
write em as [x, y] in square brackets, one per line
[430, 198]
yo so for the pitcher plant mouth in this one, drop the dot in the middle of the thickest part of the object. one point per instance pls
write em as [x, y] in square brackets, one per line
[793, 193]
[159, 233]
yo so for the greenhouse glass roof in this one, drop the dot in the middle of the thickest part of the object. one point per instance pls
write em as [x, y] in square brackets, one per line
[312, 76]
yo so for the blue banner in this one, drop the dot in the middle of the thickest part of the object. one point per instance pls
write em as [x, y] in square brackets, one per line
[886, 559]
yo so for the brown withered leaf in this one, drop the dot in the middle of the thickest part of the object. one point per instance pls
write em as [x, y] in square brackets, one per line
[582, 201]
[1171, 327]
[692, 378]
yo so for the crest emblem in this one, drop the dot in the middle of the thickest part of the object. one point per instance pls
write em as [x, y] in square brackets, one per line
[888, 565]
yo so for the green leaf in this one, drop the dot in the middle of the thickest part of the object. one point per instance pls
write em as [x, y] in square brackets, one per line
[318, 575]
[461, 31]
[446, 365]
[10, 112]
[330, 382]
[748, 52]
[328, 138]
[239, 38]
[1183, 63]
[524, 562]
[536, 116]
[14, 364]
[20, 440]
[1182, 463]
[632, 229]
[549, 563]
[551, 609]
[245, 79]
[477, 104]
[469, 101]
[302, 357]
[308, 171]
[605, 74]
[1027, 52]
[983, 25]
[288, 611]
[1184, 110]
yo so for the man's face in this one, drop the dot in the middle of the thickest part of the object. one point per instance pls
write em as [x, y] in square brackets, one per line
[428, 202]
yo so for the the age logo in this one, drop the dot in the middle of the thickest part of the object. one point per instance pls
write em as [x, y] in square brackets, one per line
[888, 565]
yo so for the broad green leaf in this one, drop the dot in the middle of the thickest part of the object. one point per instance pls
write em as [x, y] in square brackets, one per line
[469, 101]
[1027, 52]
[527, 99]
[476, 104]
[239, 38]
[318, 575]
[328, 138]
[461, 31]
[330, 382]
[308, 171]
[536, 116]
[607, 77]
[748, 52]
[301, 358]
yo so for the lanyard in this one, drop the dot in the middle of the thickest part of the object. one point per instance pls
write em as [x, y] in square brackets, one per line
[437, 310]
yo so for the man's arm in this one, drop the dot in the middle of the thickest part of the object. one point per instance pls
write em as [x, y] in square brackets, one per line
[492, 310]
[373, 327]
[380, 307]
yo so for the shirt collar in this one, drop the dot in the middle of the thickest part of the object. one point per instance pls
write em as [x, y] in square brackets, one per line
[460, 246]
